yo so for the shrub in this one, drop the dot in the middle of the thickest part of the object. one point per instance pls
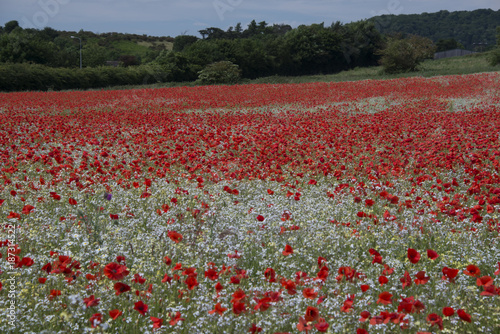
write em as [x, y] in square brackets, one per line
[23, 76]
[495, 56]
[405, 54]
[222, 72]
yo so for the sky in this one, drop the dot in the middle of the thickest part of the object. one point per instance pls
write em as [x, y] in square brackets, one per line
[173, 18]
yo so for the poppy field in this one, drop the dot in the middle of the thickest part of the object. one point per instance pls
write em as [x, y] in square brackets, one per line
[354, 207]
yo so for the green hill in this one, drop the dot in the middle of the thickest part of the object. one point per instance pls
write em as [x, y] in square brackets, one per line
[475, 30]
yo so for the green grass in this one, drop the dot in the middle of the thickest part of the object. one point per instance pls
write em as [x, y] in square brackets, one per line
[474, 63]
[131, 48]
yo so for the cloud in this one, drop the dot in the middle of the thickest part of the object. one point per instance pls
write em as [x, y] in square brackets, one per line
[161, 17]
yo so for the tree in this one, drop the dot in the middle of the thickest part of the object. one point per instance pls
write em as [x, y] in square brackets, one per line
[11, 25]
[177, 66]
[222, 72]
[448, 44]
[495, 54]
[315, 49]
[405, 54]
[180, 42]
[238, 29]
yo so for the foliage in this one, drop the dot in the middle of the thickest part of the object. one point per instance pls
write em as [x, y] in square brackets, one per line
[467, 27]
[177, 66]
[405, 54]
[222, 72]
[55, 48]
[448, 44]
[495, 54]
[23, 77]
[181, 41]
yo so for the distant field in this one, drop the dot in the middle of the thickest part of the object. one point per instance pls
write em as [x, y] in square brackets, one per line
[168, 45]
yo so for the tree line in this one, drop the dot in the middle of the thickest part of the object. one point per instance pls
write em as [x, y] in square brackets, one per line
[32, 59]
[473, 30]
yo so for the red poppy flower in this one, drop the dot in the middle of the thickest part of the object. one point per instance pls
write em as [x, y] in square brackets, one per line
[239, 308]
[421, 278]
[497, 272]
[238, 295]
[347, 307]
[406, 280]
[42, 280]
[175, 236]
[464, 316]
[432, 254]
[448, 311]
[115, 314]
[95, 320]
[27, 209]
[141, 307]
[312, 314]
[157, 322]
[364, 287]
[472, 270]
[290, 286]
[254, 329]
[72, 201]
[384, 298]
[369, 202]
[166, 279]
[25, 261]
[377, 258]
[54, 293]
[138, 279]
[435, 319]
[115, 271]
[260, 218]
[270, 275]
[175, 319]
[55, 196]
[449, 274]
[91, 301]
[113, 216]
[13, 215]
[309, 293]
[361, 331]
[288, 250]
[303, 325]
[218, 309]
[121, 288]
[191, 282]
[383, 280]
[218, 287]
[212, 274]
[322, 325]
[364, 316]
[262, 304]
[484, 281]
[413, 255]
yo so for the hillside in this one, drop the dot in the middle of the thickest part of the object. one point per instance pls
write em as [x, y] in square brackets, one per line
[56, 48]
[467, 27]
